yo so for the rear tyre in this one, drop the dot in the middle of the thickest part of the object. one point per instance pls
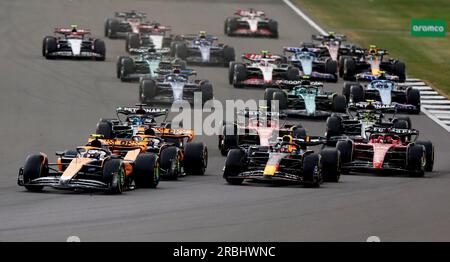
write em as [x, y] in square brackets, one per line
[146, 171]
[416, 158]
[413, 98]
[234, 166]
[330, 163]
[231, 72]
[147, 90]
[341, 64]
[331, 66]
[111, 28]
[195, 158]
[228, 55]
[49, 45]
[34, 168]
[132, 41]
[293, 74]
[170, 162]
[281, 97]
[349, 69]
[240, 74]
[100, 48]
[268, 95]
[127, 67]
[298, 131]
[334, 128]
[345, 147]
[273, 28]
[399, 70]
[346, 89]
[339, 104]
[104, 128]
[181, 51]
[356, 93]
[312, 175]
[228, 141]
[207, 92]
[429, 154]
[114, 176]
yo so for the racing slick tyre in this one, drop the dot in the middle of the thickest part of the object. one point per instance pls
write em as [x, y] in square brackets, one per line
[399, 70]
[339, 104]
[330, 163]
[195, 159]
[293, 74]
[225, 26]
[35, 167]
[49, 45]
[429, 154]
[111, 28]
[334, 128]
[207, 92]
[228, 55]
[240, 74]
[126, 67]
[132, 41]
[114, 176]
[400, 124]
[349, 70]
[415, 160]
[273, 28]
[404, 118]
[268, 95]
[356, 93]
[228, 141]
[147, 90]
[173, 48]
[231, 72]
[312, 174]
[331, 66]
[232, 25]
[341, 64]
[282, 99]
[413, 98]
[169, 162]
[345, 147]
[146, 171]
[119, 65]
[104, 128]
[346, 89]
[180, 63]
[100, 48]
[181, 51]
[233, 166]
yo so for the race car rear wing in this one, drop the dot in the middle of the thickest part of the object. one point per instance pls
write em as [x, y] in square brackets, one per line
[150, 111]
[310, 141]
[377, 107]
[130, 14]
[327, 38]
[69, 31]
[262, 114]
[392, 131]
[258, 57]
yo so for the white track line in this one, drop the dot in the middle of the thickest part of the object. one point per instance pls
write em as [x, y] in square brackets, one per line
[432, 97]
[417, 83]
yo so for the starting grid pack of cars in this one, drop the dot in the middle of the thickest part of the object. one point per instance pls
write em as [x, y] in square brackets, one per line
[364, 132]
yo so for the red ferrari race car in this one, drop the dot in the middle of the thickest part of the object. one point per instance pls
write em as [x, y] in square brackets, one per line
[262, 70]
[251, 23]
[387, 150]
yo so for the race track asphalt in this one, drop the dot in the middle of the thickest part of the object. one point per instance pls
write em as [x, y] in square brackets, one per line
[54, 105]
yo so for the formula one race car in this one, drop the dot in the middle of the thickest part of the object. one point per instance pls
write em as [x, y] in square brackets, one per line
[73, 42]
[287, 160]
[405, 98]
[202, 49]
[361, 117]
[151, 35]
[367, 65]
[148, 63]
[178, 153]
[262, 128]
[251, 23]
[261, 70]
[91, 167]
[331, 45]
[387, 150]
[124, 23]
[313, 62]
[306, 99]
[175, 86]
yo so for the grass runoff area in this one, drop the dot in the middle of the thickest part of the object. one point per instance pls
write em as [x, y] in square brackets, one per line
[386, 24]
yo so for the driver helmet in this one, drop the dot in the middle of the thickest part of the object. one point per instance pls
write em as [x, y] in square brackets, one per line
[96, 143]
[202, 34]
[382, 75]
[74, 28]
[331, 35]
[373, 50]
[264, 53]
[136, 121]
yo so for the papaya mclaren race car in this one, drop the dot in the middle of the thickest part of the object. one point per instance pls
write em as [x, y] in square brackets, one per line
[75, 43]
[387, 150]
[287, 160]
[124, 23]
[91, 167]
[251, 23]
[261, 70]
[385, 92]
[202, 49]
[262, 128]
[178, 153]
[307, 99]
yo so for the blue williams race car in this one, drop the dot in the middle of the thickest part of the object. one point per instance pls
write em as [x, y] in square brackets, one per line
[202, 49]
[307, 99]
[385, 92]
[311, 63]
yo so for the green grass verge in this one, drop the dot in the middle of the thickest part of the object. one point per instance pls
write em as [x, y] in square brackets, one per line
[386, 24]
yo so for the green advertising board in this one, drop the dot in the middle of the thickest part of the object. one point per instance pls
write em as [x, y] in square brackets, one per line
[428, 28]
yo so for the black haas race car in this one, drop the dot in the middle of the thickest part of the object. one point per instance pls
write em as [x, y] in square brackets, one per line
[288, 160]
[75, 43]
[387, 150]
[251, 23]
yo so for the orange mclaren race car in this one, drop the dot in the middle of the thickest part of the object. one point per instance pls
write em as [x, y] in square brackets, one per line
[94, 167]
